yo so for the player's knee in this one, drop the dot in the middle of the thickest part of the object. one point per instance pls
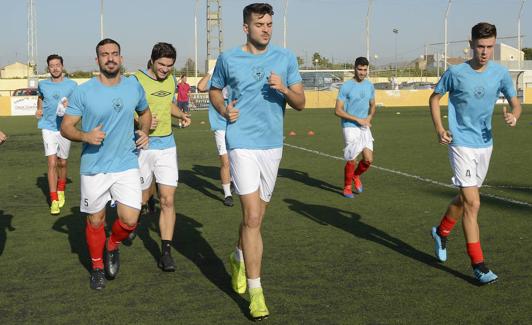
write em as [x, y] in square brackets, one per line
[166, 202]
[52, 164]
[472, 205]
[62, 163]
[368, 161]
[252, 221]
[95, 221]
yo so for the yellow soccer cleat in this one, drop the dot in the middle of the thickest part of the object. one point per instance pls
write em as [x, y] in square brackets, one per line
[54, 207]
[61, 196]
[257, 306]
[238, 275]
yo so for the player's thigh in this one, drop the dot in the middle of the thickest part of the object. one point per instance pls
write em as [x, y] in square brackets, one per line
[63, 146]
[464, 166]
[126, 188]
[245, 171]
[165, 168]
[146, 166]
[49, 139]
[219, 138]
[95, 192]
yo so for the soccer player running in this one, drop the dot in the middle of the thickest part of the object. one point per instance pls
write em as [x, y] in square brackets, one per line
[218, 125]
[355, 106]
[474, 87]
[161, 156]
[262, 78]
[109, 165]
[51, 106]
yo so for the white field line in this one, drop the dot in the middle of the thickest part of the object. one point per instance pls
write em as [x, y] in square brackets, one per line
[419, 178]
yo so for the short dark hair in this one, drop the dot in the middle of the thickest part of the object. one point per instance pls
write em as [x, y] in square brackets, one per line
[163, 50]
[361, 61]
[483, 30]
[54, 57]
[257, 8]
[106, 41]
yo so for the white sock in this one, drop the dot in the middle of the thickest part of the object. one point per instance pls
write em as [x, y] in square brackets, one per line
[254, 283]
[227, 189]
[239, 256]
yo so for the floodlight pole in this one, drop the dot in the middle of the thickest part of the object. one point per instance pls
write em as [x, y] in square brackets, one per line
[445, 41]
[101, 19]
[519, 33]
[370, 3]
[396, 32]
[196, 39]
[284, 22]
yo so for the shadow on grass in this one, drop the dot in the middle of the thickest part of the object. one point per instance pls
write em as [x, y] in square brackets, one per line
[303, 177]
[212, 172]
[192, 180]
[5, 226]
[74, 226]
[147, 222]
[42, 183]
[351, 223]
[191, 244]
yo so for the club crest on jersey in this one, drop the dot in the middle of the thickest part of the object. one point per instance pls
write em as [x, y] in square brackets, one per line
[258, 73]
[479, 92]
[117, 104]
[56, 96]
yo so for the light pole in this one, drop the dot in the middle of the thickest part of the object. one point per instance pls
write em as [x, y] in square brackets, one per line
[519, 32]
[370, 3]
[284, 22]
[101, 19]
[396, 32]
[196, 39]
[445, 41]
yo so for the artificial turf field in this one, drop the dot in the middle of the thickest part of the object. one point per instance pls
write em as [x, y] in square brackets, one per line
[327, 259]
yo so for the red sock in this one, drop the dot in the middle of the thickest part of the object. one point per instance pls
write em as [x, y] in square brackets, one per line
[349, 169]
[120, 231]
[446, 225]
[362, 167]
[61, 184]
[53, 196]
[95, 237]
[475, 253]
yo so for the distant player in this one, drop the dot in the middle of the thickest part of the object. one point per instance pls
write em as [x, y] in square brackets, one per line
[218, 126]
[355, 105]
[160, 159]
[51, 106]
[109, 165]
[473, 87]
[262, 78]
[183, 92]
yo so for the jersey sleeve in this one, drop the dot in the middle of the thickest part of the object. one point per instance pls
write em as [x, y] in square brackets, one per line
[372, 95]
[507, 87]
[293, 76]
[445, 84]
[142, 104]
[39, 91]
[219, 77]
[75, 103]
[342, 94]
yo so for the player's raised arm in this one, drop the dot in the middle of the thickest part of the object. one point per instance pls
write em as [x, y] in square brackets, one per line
[511, 117]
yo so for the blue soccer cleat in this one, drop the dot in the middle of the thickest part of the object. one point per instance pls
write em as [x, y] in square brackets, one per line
[358, 184]
[483, 274]
[440, 245]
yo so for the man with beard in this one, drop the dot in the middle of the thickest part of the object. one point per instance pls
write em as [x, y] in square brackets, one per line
[263, 78]
[355, 105]
[109, 165]
[161, 156]
[51, 105]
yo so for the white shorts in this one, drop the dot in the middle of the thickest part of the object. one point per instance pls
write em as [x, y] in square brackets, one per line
[219, 137]
[162, 163]
[356, 140]
[469, 165]
[98, 189]
[55, 144]
[254, 170]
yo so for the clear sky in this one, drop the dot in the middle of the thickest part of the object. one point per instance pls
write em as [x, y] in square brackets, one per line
[334, 28]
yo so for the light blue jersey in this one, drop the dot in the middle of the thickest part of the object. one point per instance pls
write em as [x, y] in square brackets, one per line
[260, 123]
[356, 97]
[472, 96]
[51, 94]
[112, 107]
[217, 121]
